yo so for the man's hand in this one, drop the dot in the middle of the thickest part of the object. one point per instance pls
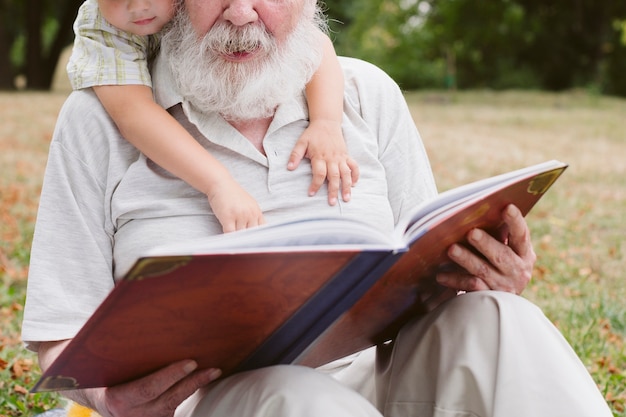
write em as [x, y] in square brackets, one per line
[506, 263]
[157, 394]
[322, 142]
[234, 207]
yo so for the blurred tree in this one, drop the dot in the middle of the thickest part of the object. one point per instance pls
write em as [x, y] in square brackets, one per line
[32, 37]
[494, 44]
[615, 76]
[387, 33]
[479, 41]
[7, 72]
[421, 43]
[567, 39]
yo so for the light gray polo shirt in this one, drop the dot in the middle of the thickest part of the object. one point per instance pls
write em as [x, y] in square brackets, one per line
[103, 204]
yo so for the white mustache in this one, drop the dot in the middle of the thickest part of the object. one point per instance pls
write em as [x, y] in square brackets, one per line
[227, 39]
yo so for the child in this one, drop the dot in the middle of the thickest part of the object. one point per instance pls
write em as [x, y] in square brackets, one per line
[110, 54]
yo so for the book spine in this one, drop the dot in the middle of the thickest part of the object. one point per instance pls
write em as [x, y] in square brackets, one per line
[315, 316]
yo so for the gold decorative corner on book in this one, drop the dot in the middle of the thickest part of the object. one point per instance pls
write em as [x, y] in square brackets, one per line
[542, 182]
[151, 267]
[56, 383]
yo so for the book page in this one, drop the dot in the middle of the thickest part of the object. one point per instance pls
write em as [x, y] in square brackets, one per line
[415, 225]
[336, 233]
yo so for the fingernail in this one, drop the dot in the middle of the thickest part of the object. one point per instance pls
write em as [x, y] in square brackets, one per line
[455, 250]
[476, 235]
[511, 210]
[190, 367]
[215, 373]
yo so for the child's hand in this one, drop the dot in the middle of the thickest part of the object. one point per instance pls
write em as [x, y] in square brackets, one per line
[322, 142]
[234, 207]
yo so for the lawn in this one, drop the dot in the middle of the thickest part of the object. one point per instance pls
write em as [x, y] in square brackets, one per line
[578, 227]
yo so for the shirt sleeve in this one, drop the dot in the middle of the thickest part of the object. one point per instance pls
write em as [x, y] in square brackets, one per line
[105, 55]
[382, 105]
[71, 266]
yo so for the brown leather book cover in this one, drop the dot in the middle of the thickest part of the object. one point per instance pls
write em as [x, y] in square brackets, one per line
[215, 309]
[307, 305]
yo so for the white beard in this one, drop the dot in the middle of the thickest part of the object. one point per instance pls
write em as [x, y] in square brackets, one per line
[241, 91]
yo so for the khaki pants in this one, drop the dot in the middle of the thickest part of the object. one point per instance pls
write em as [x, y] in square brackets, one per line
[481, 354]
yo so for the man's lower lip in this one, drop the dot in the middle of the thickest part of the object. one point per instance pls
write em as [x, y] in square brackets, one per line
[239, 56]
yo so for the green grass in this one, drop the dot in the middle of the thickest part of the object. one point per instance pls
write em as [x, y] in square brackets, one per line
[24, 140]
[577, 228]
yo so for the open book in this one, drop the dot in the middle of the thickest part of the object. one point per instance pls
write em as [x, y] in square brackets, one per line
[304, 292]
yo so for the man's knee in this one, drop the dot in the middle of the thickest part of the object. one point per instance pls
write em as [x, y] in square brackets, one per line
[286, 381]
[488, 305]
[284, 391]
[290, 388]
[480, 318]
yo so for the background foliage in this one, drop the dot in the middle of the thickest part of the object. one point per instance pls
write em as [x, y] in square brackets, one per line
[555, 45]
[532, 44]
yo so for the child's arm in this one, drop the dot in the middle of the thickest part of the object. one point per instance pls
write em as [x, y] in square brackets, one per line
[161, 138]
[322, 142]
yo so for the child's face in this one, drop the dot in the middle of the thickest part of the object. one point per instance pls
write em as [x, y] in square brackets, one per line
[140, 17]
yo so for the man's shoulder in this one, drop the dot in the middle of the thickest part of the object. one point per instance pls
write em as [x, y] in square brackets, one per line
[368, 87]
[358, 68]
[81, 107]
[85, 129]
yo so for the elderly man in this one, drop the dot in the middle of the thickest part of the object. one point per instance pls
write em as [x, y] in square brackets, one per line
[235, 70]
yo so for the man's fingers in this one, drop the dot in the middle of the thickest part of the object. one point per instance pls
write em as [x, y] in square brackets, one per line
[497, 255]
[461, 281]
[479, 272]
[160, 393]
[186, 387]
[473, 266]
[498, 265]
[147, 389]
[518, 233]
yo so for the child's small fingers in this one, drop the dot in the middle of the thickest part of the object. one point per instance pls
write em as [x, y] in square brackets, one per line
[354, 170]
[297, 154]
[229, 226]
[346, 183]
[334, 179]
[318, 169]
[294, 160]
